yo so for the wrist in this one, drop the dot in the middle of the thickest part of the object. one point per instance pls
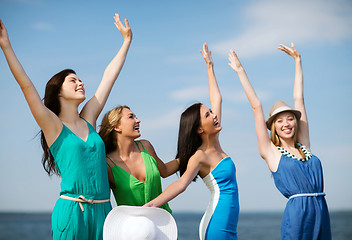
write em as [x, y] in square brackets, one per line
[210, 65]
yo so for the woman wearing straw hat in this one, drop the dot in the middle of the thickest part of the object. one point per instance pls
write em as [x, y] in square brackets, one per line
[297, 173]
[72, 147]
[200, 154]
[134, 168]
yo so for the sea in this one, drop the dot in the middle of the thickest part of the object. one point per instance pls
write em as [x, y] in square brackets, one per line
[251, 225]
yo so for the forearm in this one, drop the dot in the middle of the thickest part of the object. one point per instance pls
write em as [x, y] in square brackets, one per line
[114, 68]
[171, 168]
[96, 104]
[170, 193]
[248, 89]
[214, 92]
[298, 85]
[16, 68]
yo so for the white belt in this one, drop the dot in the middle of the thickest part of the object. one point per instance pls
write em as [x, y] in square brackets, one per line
[81, 199]
[307, 195]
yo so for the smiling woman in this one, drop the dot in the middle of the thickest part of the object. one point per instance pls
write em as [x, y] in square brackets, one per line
[200, 154]
[297, 173]
[72, 147]
[134, 168]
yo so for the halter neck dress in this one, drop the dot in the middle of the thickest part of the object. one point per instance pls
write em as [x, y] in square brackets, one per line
[220, 219]
[306, 215]
[82, 167]
[130, 191]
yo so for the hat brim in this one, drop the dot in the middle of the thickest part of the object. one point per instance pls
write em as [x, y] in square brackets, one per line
[271, 118]
[165, 224]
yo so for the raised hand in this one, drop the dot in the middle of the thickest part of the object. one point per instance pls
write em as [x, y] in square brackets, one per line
[206, 54]
[234, 63]
[4, 37]
[290, 51]
[126, 32]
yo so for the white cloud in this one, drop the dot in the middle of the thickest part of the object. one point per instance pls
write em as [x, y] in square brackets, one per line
[170, 119]
[191, 93]
[240, 96]
[269, 23]
[42, 26]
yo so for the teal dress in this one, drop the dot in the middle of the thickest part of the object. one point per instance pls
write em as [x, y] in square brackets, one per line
[82, 167]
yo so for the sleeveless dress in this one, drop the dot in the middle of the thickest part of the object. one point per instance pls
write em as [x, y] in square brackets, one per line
[306, 216]
[221, 217]
[82, 167]
[130, 191]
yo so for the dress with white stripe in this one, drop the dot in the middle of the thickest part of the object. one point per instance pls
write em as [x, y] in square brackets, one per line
[221, 217]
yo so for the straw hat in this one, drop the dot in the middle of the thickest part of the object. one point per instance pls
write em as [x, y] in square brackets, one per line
[280, 107]
[137, 223]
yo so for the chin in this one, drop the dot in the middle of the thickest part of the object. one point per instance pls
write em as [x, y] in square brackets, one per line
[218, 129]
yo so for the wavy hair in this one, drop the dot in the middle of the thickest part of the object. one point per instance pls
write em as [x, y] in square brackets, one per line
[51, 101]
[110, 120]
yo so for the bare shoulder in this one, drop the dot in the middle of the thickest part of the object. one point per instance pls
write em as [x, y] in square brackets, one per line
[198, 157]
[147, 145]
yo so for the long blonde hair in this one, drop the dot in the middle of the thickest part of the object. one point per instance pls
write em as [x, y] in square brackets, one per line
[110, 120]
[276, 139]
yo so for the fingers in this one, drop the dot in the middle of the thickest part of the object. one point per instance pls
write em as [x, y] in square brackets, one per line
[127, 23]
[117, 22]
[293, 47]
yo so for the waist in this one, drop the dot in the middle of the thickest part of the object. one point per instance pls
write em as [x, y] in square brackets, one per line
[81, 199]
[321, 194]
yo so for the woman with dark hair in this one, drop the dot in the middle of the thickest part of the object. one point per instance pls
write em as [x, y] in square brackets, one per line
[72, 147]
[297, 173]
[134, 168]
[200, 154]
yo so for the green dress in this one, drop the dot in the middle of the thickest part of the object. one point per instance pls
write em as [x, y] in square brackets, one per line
[130, 191]
[82, 167]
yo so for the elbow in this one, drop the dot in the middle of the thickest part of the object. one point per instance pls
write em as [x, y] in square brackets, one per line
[257, 106]
[164, 175]
[183, 188]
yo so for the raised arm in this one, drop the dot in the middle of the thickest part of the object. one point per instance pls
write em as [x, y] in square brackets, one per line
[47, 120]
[165, 169]
[266, 148]
[214, 92]
[303, 133]
[179, 186]
[96, 104]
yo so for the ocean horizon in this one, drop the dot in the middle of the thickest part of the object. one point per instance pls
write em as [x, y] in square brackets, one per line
[251, 225]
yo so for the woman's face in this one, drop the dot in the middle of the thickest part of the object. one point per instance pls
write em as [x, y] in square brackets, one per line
[129, 124]
[285, 125]
[209, 122]
[72, 88]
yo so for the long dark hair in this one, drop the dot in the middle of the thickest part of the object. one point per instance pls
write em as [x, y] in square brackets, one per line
[51, 101]
[188, 137]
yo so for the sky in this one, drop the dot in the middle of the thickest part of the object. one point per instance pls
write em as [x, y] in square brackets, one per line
[165, 73]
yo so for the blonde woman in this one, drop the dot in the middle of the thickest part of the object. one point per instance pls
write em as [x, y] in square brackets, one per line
[297, 173]
[134, 168]
[72, 147]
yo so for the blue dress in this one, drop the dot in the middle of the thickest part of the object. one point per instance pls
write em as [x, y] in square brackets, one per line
[305, 217]
[221, 217]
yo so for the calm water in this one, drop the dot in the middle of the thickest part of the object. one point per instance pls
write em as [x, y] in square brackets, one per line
[263, 226]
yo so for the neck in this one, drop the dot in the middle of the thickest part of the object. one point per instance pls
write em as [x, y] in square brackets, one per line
[210, 142]
[69, 112]
[287, 143]
[125, 146]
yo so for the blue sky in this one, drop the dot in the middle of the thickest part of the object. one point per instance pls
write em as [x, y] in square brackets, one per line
[164, 73]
